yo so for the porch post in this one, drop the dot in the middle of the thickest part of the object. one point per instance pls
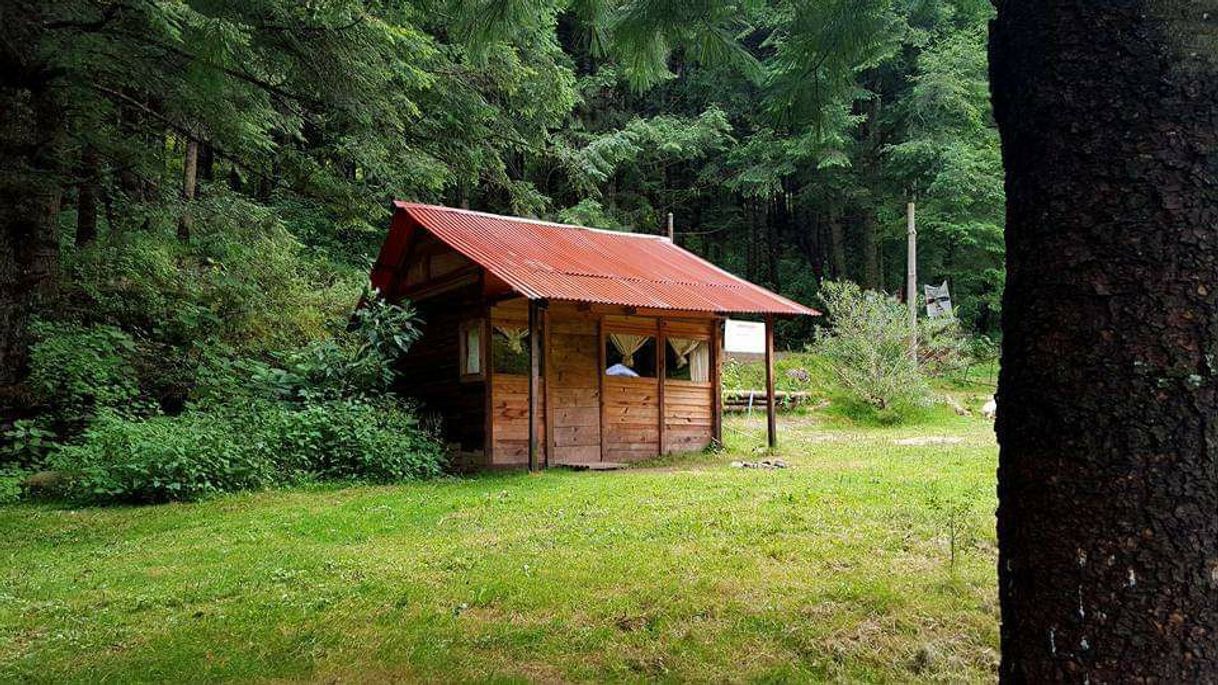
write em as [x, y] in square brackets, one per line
[534, 382]
[770, 418]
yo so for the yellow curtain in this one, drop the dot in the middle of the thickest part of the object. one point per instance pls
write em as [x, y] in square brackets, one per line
[696, 354]
[626, 345]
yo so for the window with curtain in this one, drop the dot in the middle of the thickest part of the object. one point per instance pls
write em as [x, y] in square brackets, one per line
[471, 348]
[510, 349]
[627, 354]
[687, 359]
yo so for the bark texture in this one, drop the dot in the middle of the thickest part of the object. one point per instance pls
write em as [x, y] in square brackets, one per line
[29, 205]
[1108, 415]
[190, 177]
[86, 197]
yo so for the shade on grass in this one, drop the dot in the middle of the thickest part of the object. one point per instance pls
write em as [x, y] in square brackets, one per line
[834, 568]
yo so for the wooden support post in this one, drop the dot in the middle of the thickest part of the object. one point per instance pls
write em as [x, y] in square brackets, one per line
[911, 276]
[716, 365]
[488, 372]
[545, 386]
[600, 380]
[661, 358]
[771, 419]
[534, 382]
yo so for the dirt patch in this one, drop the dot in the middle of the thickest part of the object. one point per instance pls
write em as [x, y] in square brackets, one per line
[930, 440]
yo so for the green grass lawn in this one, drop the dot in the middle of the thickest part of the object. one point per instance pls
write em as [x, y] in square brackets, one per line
[835, 568]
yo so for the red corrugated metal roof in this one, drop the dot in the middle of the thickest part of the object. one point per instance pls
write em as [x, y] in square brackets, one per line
[543, 260]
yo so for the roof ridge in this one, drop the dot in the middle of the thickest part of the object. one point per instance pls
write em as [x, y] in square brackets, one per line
[625, 234]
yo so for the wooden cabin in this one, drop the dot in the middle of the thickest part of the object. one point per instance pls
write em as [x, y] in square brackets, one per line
[548, 344]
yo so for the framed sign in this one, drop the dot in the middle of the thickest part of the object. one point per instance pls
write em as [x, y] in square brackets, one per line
[744, 336]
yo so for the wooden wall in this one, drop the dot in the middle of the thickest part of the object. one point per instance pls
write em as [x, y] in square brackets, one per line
[509, 400]
[583, 415]
[572, 372]
[587, 415]
[430, 370]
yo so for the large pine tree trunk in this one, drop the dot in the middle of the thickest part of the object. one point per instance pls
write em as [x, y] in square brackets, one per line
[29, 206]
[1108, 410]
[86, 197]
[190, 177]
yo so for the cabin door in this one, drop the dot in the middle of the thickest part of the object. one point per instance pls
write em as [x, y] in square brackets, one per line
[575, 382]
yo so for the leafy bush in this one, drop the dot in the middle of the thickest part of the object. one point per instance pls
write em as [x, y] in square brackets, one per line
[79, 370]
[943, 348]
[201, 453]
[868, 350]
[27, 444]
[358, 361]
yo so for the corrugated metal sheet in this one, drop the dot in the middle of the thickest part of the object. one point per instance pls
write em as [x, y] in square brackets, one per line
[544, 260]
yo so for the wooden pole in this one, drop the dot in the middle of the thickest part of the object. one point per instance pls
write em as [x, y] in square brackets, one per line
[771, 420]
[911, 276]
[547, 406]
[661, 358]
[716, 353]
[534, 382]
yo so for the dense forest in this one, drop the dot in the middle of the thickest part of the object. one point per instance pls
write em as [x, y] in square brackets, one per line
[192, 192]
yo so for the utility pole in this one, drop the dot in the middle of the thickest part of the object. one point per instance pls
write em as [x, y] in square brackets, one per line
[911, 276]
[670, 231]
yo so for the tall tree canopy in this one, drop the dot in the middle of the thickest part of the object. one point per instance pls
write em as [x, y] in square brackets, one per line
[784, 136]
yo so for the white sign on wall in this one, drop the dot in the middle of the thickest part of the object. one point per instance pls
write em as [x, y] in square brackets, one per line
[744, 336]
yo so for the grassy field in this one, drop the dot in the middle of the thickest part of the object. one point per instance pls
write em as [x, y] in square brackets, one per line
[838, 567]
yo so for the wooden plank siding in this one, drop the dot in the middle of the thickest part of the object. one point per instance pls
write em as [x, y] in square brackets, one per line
[430, 372]
[583, 415]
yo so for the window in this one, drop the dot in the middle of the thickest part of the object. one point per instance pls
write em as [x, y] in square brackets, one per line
[632, 355]
[471, 349]
[510, 348]
[687, 359]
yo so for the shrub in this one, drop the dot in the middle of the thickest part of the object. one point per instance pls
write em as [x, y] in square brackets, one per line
[79, 370]
[200, 453]
[359, 360]
[943, 348]
[26, 444]
[868, 350]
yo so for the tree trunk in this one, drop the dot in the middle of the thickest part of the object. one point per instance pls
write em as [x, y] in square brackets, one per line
[1108, 470]
[30, 196]
[871, 252]
[837, 247]
[190, 172]
[207, 162]
[86, 197]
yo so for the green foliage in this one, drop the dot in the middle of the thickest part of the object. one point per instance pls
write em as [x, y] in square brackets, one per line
[244, 281]
[245, 447]
[943, 349]
[357, 360]
[26, 444]
[81, 370]
[868, 350]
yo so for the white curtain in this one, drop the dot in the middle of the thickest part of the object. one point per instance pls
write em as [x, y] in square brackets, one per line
[515, 337]
[627, 345]
[696, 354]
[473, 349]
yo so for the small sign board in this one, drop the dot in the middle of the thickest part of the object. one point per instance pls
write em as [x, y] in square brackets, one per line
[744, 336]
[938, 301]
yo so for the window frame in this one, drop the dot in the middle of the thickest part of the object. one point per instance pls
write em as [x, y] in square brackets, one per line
[463, 331]
[652, 338]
